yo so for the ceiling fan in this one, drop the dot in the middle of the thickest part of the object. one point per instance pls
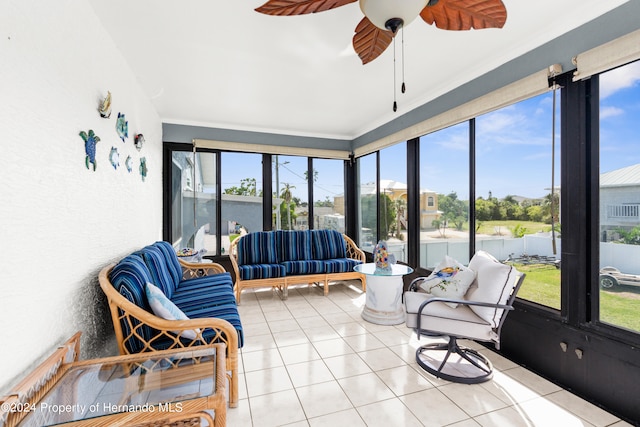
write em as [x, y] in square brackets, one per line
[383, 18]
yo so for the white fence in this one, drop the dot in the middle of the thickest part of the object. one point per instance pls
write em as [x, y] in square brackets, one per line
[626, 258]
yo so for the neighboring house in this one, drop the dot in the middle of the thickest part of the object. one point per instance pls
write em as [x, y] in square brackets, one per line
[619, 201]
[398, 190]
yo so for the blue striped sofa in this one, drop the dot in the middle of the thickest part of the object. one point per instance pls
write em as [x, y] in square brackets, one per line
[204, 292]
[282, 258]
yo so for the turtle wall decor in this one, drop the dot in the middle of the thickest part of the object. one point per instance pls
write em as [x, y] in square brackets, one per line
[90, 140]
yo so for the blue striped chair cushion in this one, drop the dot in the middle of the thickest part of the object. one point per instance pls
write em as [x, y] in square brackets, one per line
[228, 312]
[303, 267]
[175, 269]
[328, 244]
[204, 292]
[257, 248]
[294, 245]
[343, 265]
[130, 277]
[160, 274]
[261, 271]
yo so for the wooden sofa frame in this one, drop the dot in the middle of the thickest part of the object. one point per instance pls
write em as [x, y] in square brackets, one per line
[136, 317]
[282, 283]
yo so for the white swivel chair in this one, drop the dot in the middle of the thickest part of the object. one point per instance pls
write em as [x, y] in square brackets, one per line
[479, 316]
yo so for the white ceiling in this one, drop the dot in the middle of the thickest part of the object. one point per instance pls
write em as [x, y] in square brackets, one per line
[218, 63]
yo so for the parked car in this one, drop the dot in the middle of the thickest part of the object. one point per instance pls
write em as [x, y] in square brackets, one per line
[611, 276]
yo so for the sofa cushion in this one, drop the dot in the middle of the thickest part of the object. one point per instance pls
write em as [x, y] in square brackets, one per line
[130, 277]
[328, 244]
[494, 283]
[257, 248]
[343, 265]
[303, 267]
[261, 271]
[204, 292]
[163, 307]
[171, 258]
[294, 245]
[228, 312]
[159, 269]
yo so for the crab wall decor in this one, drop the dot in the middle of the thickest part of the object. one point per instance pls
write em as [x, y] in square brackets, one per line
[122, 127]
[114, 157]
[90, 140]
[138, 141]
[143, 168]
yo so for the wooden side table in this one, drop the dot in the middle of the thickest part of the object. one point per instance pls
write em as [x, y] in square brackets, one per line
[143, 389]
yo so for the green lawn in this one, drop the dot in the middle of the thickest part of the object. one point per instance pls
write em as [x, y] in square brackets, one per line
[505, 227]
[619, 307]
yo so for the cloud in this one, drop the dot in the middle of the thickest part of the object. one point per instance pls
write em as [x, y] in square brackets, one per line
[606, 112]
[618, 79]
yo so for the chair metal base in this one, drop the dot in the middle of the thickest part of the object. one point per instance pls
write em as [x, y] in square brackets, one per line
[470, 368]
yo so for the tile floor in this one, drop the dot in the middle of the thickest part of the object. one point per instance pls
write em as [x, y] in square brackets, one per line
[312, 361]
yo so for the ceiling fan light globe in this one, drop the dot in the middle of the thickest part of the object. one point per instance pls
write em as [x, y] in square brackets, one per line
[381, 11]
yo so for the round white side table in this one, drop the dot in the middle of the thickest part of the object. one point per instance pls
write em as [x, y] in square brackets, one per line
[383, 305]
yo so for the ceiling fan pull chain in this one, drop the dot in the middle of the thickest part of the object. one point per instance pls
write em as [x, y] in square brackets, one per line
[395, 104]
[404, 88]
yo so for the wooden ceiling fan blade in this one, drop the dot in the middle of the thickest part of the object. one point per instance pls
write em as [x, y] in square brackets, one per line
[370, 41]
[465, 14]
[299, 7]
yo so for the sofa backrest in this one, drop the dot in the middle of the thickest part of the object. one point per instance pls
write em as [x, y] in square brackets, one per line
[159, 269]
[294, 245]
[328, 244]
[130, 277]
[175, 269]
[257, 248]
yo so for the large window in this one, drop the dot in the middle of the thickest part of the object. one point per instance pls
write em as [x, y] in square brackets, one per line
[290, 193]
[194, 201]
[393, 199]
[241, 195]
[367, 202]
[328, 195]
[444, 195]
[619, 276]
[515, 205]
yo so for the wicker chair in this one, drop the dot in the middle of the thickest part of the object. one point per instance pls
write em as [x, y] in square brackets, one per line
[149, 330]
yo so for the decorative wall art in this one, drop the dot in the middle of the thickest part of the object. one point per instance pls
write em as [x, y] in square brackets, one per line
[128, 163]
[90, 140]
[105, 106]
[138, 141]
[114, 157]
[143, 168]
[122, 127]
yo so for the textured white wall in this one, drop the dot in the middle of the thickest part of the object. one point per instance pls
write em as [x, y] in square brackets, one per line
[59, 222]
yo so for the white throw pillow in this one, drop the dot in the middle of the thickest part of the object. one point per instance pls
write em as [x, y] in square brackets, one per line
[165, 308]
[449, 279]
[494, 283]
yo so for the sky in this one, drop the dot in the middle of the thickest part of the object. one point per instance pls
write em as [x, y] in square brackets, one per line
[513, 149]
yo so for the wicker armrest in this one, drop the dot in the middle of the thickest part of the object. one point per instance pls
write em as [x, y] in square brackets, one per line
[196, 269]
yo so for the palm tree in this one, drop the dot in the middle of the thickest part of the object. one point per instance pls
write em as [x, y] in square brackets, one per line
[287, 196]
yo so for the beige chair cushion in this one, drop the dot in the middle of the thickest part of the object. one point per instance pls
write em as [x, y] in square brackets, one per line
[438, 316]
[494, 283]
